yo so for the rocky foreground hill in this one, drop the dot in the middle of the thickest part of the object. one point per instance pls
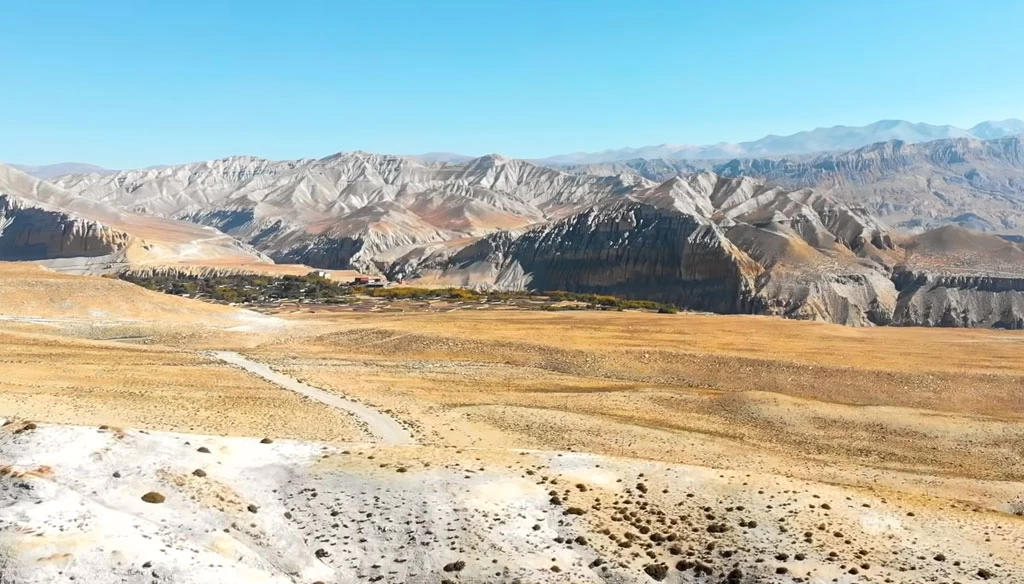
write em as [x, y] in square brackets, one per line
[106, 504]
[702, 241]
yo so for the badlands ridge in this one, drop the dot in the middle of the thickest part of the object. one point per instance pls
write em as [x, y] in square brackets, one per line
[700, 241]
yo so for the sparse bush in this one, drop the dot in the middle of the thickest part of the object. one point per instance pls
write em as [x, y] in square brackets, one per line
[604, 301]
[243, 288]
[154, 497]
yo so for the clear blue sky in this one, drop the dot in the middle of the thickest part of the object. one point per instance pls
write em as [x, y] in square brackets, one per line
[131, 83]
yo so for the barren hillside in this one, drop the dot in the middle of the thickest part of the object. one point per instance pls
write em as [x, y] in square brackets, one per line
[645, 447]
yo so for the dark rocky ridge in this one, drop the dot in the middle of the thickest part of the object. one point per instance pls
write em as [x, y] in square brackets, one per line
[30, 232]
[640, 251]
[42, 222]
[958, 300]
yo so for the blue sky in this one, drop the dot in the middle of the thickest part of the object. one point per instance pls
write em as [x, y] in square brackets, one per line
[132, 83]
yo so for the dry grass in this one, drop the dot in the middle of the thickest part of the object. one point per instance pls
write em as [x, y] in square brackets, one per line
[803, 399]
[84, 382]
[913, 409]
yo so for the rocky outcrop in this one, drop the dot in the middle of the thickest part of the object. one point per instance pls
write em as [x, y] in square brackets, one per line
[31, 232]
[855, 297]
[643, 250]
[953, 277]
[959, 300]
[640, 251]
[40, 221]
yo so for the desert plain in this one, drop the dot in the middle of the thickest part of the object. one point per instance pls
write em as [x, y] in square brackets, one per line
[543, 446]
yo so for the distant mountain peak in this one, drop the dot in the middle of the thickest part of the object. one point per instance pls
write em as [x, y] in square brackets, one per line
[49, 171]
[823, 139]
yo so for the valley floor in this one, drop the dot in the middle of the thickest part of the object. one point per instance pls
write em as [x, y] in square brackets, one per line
[914, 438]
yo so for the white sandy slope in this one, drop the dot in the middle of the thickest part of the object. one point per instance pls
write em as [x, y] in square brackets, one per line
[371, 513]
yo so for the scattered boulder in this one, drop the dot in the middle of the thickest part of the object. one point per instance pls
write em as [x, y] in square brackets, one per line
[455, 566]
[154, 497]
[657, 572]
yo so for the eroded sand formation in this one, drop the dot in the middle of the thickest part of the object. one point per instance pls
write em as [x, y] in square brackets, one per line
[81, 502]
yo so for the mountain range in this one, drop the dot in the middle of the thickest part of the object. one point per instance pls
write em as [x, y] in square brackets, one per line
[818, 140]
[888, 233]
[977, 184]
[49, 171]
[697, 239]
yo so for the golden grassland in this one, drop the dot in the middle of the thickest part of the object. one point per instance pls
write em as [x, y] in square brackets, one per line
[917, 410]
[857, 406]
[62, 380]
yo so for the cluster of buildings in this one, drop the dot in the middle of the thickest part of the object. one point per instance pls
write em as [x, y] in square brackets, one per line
[364, 281]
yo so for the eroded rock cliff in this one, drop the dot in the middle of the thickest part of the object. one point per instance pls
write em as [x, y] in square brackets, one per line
[32, 232]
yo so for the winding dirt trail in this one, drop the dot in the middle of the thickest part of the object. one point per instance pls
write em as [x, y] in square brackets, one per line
[380, 424]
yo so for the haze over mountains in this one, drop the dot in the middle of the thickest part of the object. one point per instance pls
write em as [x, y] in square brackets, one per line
[49, 171]
[816, 140]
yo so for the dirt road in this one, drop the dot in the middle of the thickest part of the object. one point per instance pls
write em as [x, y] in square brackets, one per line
[380, 424]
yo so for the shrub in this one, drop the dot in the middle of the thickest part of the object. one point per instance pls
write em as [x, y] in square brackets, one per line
[154, 497]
